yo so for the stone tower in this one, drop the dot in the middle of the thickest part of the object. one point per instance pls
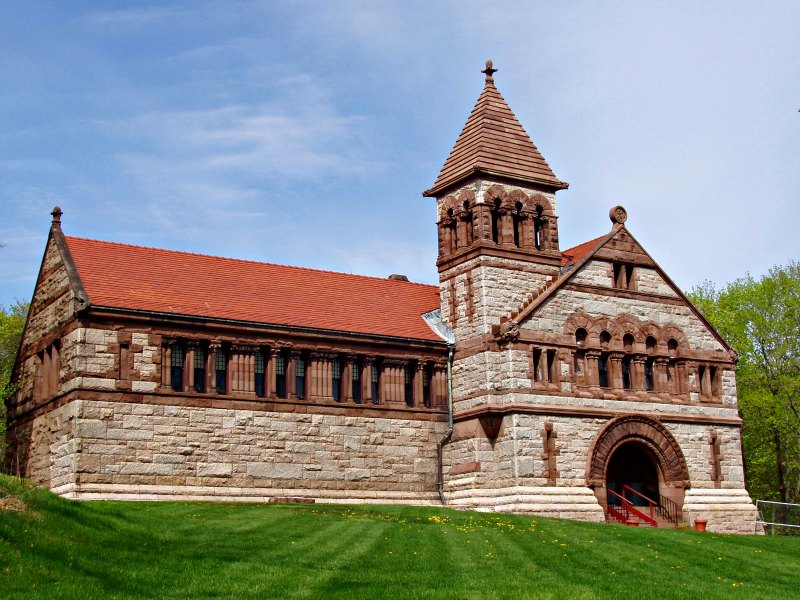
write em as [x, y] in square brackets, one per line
[496, 218]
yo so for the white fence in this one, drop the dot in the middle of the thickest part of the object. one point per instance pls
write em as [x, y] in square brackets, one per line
[778, 518]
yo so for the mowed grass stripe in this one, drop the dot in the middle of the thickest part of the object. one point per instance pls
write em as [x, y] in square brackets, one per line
[62, 549]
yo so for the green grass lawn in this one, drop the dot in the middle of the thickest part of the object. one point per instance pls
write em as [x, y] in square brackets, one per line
[56, 548]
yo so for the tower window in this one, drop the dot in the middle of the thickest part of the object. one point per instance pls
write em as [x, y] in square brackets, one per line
[496, 221]
[538, 228]
[517, 218]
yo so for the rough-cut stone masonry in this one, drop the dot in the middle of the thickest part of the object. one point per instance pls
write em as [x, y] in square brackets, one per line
[124, 450]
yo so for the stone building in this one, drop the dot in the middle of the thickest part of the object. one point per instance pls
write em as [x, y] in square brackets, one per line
[579, 383]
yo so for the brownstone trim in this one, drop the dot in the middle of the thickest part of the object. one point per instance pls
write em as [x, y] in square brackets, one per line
[585, 412]
[525, 266]
[481, 248]
[646, 432]
[593, 390]
[249, 403]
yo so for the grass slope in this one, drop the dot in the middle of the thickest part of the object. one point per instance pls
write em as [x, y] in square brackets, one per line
[55, 548]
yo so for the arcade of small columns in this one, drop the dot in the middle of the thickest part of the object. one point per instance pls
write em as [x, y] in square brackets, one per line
[507, 219]
[623, 367]
[313, 369]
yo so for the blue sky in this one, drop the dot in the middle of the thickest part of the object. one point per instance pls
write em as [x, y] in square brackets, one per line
[303, 133]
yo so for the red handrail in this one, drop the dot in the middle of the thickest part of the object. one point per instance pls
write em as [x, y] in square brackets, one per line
[629, 508]
[651, 503]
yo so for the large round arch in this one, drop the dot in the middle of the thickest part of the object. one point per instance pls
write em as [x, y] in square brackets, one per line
[653, 439]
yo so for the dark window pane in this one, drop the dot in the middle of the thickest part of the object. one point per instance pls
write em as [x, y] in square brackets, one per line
[300, 377]
[409, 386]
[602, 365]
[356, 381]
[375, 387]
[176, 371]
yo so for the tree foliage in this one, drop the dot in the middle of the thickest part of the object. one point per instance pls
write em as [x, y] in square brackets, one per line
[761, 320]
[12, 322]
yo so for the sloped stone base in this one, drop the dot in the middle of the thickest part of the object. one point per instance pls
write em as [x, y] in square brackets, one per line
[578, 503]
[185, 493]
[726, 510]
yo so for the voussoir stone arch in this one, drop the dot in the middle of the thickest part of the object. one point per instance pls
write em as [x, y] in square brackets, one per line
[629, 324]
[601, 324]
[495, 192]
[577, 321]
[540, 200]
[466, 197]
[449, 203]
[647, 432]
[515, 196]
[676, 333]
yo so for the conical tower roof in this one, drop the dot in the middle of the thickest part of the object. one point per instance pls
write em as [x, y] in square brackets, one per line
[493, 142]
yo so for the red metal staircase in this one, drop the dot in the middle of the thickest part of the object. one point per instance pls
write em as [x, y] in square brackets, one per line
[620, 507]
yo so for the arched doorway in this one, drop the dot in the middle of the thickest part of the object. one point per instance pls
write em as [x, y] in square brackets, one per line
[639, 452]
[631, 466]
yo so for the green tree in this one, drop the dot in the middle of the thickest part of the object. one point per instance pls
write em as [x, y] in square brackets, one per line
[761, 320]
[12, 322]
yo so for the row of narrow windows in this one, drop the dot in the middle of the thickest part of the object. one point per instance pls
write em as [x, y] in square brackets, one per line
[285, 374]
[626, 370]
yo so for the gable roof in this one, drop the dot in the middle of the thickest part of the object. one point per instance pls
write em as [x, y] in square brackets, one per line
[136, 278]
[576, 257]
[494, 142]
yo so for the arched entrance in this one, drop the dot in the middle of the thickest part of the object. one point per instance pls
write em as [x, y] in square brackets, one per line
[631, 466]
[638, 452]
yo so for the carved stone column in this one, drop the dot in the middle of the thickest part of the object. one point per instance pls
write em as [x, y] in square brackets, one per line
[214, 348]
[482, 221]
[660, 374]
[348, 364]
[188, 365]
[419, 376]
[592, 368]
[615, 370]
[638, 373]
[366, 379]
[506, 233]
[291, 369]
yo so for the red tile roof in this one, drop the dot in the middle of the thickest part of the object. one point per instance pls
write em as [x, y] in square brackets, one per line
[166, 281]
[494, 142]
[576, 253]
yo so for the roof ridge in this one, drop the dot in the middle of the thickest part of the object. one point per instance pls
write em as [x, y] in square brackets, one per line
[254, 262]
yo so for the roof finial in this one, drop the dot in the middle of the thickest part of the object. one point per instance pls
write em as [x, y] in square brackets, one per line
[56, 215]
[618, 214]
[489, 71]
